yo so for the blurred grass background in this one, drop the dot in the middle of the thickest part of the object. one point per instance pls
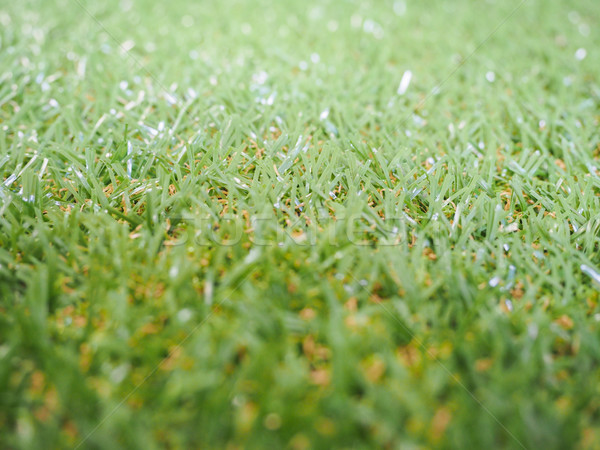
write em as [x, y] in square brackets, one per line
[127, 128]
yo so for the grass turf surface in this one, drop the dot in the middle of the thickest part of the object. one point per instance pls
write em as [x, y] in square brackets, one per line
[228, 225]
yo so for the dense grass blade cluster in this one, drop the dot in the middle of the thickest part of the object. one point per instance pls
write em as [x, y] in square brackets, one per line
[332, 224]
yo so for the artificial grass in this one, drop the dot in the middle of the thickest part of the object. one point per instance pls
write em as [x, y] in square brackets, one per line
[234, 225]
